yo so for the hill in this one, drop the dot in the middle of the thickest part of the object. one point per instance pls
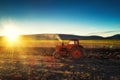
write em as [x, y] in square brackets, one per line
[65, 37]
[117, 36]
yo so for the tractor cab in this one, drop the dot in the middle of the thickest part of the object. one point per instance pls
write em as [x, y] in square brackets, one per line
[73, 42]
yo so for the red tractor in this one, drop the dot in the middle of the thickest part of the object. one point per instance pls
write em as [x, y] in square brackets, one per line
[71, 50]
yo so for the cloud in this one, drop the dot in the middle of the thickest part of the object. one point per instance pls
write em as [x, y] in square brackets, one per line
[105, 32]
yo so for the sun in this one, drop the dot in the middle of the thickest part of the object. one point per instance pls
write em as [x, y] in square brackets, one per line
[11, 33]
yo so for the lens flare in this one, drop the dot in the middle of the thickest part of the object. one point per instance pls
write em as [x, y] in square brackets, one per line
[11, 32]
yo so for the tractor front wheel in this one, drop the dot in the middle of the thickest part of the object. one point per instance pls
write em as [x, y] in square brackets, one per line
[56, 55]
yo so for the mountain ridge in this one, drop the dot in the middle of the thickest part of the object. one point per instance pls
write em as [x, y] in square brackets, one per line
[69, 36]
[66, 37]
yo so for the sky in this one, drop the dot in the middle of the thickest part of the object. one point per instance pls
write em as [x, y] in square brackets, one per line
[79, 17]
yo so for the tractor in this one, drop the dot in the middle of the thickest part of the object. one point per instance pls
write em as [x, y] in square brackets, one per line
[71, 50]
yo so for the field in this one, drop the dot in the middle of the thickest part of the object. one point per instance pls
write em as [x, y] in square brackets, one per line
[33, 60]
[37, 63]
[53, 43]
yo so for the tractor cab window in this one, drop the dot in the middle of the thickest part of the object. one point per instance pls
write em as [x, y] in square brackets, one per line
[71, 42]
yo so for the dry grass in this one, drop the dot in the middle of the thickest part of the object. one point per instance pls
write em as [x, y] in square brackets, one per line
[53, 43]
[34, 64]
[85, 43]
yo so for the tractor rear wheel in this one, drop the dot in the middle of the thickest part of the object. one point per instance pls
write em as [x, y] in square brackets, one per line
[77, 53]
[56, 55]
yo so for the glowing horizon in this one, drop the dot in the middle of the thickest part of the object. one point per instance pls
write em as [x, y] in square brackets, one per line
[12, 29]
[78, 17]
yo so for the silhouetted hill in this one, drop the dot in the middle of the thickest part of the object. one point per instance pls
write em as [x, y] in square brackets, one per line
[68, 36]
[65, 37]
[40, 37]
[117, 36]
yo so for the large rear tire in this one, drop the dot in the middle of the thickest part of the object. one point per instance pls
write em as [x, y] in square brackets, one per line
[77, 53]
